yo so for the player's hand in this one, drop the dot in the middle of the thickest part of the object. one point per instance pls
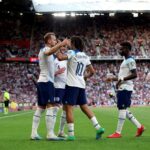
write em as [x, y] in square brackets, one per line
[60, 71]
[65, 42]
[110, 77]
[118, 84]
[58, 41]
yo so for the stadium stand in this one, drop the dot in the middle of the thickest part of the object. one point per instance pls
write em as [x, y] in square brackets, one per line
[21, 39]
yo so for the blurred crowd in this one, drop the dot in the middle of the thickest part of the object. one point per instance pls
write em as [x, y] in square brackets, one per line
[20, 80]
[22, 36]
[101, 36]
[15, 78]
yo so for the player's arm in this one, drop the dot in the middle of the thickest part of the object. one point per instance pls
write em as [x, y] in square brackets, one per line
[109, 79]
[89, 72]
[61, 56]
[133, 75]
[67, 56]
[60, 71]
[55, 48]
[6, 97]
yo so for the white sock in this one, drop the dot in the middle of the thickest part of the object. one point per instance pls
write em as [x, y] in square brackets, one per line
[55, 111]
[121, 120]
[133, 119]
[71, 129]
[62, 122]
[36, 121]
[50, 121]
[95, 123]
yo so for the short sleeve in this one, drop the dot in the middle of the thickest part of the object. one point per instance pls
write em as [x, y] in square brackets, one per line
[70, 54]
[45, 49]
[131, 64]
[88, 61]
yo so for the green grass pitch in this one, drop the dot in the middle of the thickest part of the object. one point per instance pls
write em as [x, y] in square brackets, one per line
[15, 131]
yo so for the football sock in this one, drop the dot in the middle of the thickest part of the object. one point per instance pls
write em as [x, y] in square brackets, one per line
[133, 119]
[55, 111]
[95, 123]
[121, 120]
[36, 120]
[5, 111]
[71, 129]
[62, 121]
[49, 121]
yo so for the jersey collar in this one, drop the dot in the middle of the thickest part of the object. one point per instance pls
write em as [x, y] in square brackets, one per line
[76, 51]
[129, 57]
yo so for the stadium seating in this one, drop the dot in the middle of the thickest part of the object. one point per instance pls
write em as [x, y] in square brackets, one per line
[16, 77]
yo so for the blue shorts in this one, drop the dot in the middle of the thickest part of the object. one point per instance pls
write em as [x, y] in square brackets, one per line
[59, 95]
[45, 92]
[74, 96]
[123, 99]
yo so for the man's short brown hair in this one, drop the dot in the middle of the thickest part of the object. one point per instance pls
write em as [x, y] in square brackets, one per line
[48, 36]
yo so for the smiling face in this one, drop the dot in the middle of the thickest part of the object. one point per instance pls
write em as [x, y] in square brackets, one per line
[125, 48]
[122, 51]
[63, 49]
[52, 41]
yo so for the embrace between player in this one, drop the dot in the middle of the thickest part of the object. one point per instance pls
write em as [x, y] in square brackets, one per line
[79, 68]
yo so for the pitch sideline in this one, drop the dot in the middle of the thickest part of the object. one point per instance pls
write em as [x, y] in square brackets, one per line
[3, 117]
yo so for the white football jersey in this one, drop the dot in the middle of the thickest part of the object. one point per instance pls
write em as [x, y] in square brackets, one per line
[77, 62]
[46, 64]
[60, 79]
[125, 70]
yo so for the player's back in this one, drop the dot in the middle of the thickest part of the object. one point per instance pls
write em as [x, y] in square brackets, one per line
[77, 63]
[46, 64]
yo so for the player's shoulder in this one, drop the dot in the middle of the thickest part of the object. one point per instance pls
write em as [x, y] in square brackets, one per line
[45, 48]
[85, 55]
[56, 60]
[130, 59]
[71, 51]
[6, 93]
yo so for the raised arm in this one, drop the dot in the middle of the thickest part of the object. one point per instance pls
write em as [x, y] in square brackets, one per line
[89, 72]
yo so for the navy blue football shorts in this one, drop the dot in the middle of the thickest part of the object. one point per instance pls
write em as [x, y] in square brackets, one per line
[45, 93]
[123, 99]
[74, 96]
[59, 95]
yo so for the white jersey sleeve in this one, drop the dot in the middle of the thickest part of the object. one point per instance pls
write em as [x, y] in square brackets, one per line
[45, 49]
[88, 61]
[70, 54]
[131, 64]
